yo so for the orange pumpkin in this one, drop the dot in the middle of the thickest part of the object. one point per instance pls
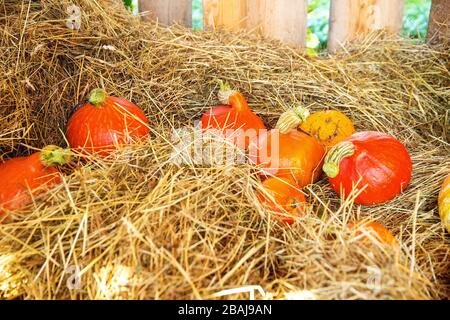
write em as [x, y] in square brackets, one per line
[234, 120]
[283, 197]
[329, 127]
[373, 161]
[377, 230]
[105, 122]
[24, 177]
[294, 155]
[444, 203]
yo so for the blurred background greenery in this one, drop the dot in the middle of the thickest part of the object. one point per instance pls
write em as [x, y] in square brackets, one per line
[415, 19]
[132, 4]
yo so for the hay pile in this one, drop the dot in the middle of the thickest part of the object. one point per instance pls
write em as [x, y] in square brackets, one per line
[138, 226]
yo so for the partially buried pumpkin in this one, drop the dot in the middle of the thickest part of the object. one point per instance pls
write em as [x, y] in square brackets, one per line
[444, 203]
[25, 177]
[283, 197]
[373, 229]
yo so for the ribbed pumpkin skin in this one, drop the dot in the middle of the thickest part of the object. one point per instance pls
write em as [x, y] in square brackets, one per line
[381, 162]
[444, 203]
[285, 198]
[98, 129]
[22, 175]
[300, 156]
[329, 127]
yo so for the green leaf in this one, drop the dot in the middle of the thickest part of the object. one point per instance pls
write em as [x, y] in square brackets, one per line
[128, 3]
[312, 40]
[311, 52]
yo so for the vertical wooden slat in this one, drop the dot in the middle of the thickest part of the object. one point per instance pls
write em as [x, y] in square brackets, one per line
[168, 12]
[283, 20]
[226, 14]
[439, 23]
[351, 19]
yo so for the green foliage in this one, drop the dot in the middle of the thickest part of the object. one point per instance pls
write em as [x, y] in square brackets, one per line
[128, 3]
[197, 14]
[318, 15]
[415, 19]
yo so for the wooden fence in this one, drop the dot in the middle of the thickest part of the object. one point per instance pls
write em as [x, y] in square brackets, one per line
[286, 20]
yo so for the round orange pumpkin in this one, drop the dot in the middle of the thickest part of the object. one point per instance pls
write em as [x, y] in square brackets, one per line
[329, 127]
[373, 165]
[105, 122]
[444, 203]
[284, 198]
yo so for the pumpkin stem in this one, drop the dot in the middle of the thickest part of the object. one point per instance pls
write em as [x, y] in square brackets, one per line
[54, 155]
[224, 92]
[232, 97]
[292, 118]
[335, 156]
[97, 97]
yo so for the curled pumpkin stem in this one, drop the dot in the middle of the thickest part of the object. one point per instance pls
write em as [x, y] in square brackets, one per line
[54, 155]
[292, 118]
[335, 156]
[232, 97]
[225, 92]
[97, 97]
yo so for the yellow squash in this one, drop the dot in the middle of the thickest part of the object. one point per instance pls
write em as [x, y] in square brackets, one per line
[329, 127]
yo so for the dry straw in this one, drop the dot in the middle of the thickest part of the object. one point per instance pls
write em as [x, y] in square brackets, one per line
[138, 226]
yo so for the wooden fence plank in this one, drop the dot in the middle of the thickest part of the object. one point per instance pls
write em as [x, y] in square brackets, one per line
[283, 20]
[351, 19]
[168, 12]
[439, 24]
[225, 14]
